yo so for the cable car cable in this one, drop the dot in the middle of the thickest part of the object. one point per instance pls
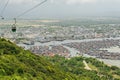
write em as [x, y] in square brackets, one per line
[4, 7]
[0, 2]
[1, 14]
[31, 8]
[14, 25]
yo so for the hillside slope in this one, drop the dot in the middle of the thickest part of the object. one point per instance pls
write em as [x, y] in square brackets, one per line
[19, 64]
[77, 65]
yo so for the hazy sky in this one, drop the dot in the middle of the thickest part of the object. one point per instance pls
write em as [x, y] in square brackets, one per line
[62, 8]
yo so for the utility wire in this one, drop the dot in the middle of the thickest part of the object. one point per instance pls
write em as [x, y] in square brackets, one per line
[31, 9]
[1, 14]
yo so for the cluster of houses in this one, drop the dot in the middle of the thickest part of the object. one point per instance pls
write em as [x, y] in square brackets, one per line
[94, 48]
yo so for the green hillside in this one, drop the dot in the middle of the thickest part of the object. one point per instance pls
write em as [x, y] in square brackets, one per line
[19, 64]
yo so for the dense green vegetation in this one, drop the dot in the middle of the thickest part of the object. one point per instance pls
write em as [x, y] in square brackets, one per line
[75, 65]
[19, 64]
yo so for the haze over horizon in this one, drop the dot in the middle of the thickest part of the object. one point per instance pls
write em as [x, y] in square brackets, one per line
[62, 8]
